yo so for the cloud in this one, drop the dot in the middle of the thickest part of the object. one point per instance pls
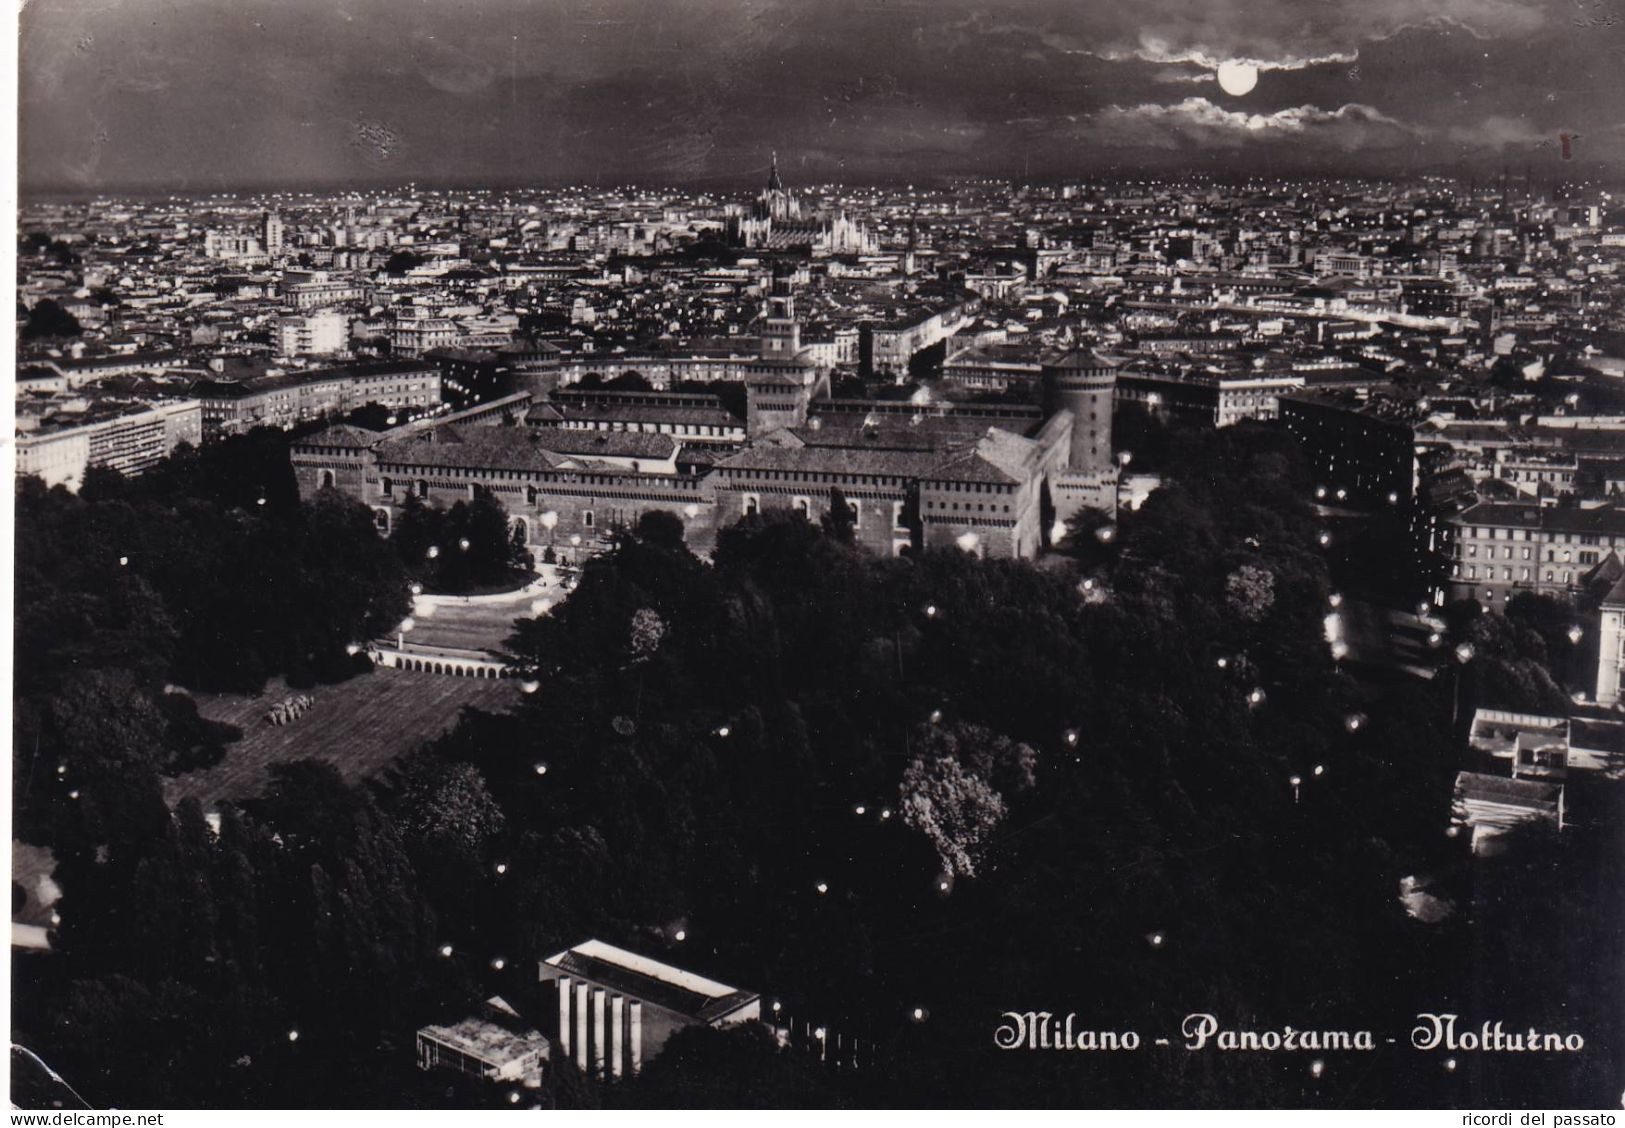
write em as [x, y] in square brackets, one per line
[1156, 50]
[1269, 34]
[1175, 75]
[1501, 132]
[1198, 121]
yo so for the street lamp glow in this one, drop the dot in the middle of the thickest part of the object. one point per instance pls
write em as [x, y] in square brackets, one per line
[463, 544]
[1156, 939]
[434, 551]
[936, 716]
[1576, 634]
[541, 768]
[860, 809]
[498, 963]
[1316, 1068]
[1256, 697]
[1464, 652]
[1335, 599]
[930, 610]
[822, 887]
[502, 868]
[1325, 539]
[724, 731]
[293, 1035]
[445, 951]
[680, 935]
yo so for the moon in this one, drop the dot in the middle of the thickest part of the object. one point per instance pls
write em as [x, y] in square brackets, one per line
[1237, 78]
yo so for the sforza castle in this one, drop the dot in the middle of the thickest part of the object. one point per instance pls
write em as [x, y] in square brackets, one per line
[573, 465]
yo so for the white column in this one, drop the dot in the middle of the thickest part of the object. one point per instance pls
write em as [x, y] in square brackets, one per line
[581, 1027]
[635, 1035]
[599, 1032]
[617, 1035]
[564, 1015]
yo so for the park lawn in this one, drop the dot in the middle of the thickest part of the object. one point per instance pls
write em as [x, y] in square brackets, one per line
[359, 726]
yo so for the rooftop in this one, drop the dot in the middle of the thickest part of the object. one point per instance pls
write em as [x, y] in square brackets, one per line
[1480, 788]
[496, 1035]
[651, 981]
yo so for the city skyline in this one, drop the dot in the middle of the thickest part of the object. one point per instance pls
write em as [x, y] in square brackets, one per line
[190, 97]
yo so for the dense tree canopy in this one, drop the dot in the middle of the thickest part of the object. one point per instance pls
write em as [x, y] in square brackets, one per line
[183, 576]
[900, 796]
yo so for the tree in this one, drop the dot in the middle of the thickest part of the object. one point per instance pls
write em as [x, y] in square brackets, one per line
[956, 810]
[1250, 592]
[629, 381]
[648, 628]
[48, 319]
[447, 807]
[661, 527]
[400, 262]
[732, 1067]
[841, 520]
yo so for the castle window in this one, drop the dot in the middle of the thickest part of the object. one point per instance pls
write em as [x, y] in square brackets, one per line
[389, 488]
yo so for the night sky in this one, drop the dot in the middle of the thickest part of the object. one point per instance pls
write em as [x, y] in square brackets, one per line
[208, 95]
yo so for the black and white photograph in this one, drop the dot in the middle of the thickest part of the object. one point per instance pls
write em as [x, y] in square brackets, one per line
[625, 555]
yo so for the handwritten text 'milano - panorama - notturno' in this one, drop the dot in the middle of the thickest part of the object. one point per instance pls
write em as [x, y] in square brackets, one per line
[1046, 1030]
